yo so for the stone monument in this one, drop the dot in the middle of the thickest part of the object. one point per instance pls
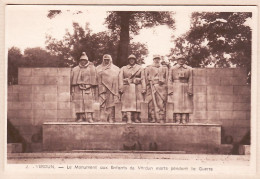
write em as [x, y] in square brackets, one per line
[133, 91]
[40, 107]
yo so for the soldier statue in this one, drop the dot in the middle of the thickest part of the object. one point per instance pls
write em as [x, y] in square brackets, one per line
[132, 88]
[83, 86]
[156, 78]
[180, 90]
[107, 74]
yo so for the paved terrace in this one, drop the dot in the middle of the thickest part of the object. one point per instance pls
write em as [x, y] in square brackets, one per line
[85, 156]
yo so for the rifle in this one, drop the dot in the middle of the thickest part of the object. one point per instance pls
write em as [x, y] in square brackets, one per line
[83, 104]
[154, 100]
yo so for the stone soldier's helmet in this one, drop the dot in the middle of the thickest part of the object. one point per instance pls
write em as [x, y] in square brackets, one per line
[156, 56]
[132, 56]
[83, 56]
[163, 62]
[107, 56]
[180, 56]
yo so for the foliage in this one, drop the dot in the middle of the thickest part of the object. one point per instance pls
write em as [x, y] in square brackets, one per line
[33, 57]
[38, 57]
[121, 23]
[94, 44]
[52, 13]
[139, 50]
[218, 38]
[73, 44]
[139, 20]
[14, 60]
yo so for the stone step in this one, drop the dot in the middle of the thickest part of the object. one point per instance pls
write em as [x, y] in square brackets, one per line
[14, 147]
[244, 150]
[118, 155]
[190, 149]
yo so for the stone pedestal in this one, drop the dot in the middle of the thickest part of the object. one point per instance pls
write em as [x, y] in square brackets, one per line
[14, 148]
[244, 150]
[68, 136]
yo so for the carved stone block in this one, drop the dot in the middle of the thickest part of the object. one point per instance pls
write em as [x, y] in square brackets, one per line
[144, 112]
[169, 112]
[118, 113]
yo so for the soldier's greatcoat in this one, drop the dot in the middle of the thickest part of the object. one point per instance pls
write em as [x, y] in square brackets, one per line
[81, 77]
[156, 93]
[107, 84]
[132, 83]
[180, 83]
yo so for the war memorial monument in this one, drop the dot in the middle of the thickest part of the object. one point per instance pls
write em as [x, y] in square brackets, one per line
[105, 108]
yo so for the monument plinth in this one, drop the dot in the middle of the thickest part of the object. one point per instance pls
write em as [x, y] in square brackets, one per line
[68, 136]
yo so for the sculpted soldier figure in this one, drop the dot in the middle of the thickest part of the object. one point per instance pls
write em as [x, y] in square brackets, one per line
[180, 90]
[83, 86]
[132, 88]
[108, 87]
[156, 76]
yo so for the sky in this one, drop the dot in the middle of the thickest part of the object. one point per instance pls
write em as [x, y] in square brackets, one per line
[28, 26]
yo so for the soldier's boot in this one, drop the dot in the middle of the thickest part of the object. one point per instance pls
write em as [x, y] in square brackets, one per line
[137, 117]
[110, 120]
[157, 117]
[128, 115]
[162, 118]
[178, 118]
[90, 117]
[188, 118]
[103, 115]
[111, 114]
[184, 118]
[81, 117]
[152, 117]
[124, 117]
[78, 118]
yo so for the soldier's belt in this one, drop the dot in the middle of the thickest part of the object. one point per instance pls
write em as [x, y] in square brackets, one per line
[155, 81]
[131, 81]
[125, 83]
[180, 81]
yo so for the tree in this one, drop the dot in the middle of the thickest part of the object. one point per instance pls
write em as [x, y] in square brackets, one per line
[219, 38]
[38, 57]
[139, 50]
[81, 40]
[53, 13]
[33, 57]
[125, 23]
[94, 44]
[14, 60]
[197, 54]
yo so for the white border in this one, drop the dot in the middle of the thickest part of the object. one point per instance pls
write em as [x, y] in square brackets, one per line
[201, 8]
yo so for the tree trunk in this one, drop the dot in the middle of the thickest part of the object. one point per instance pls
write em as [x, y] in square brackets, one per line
[122, 53]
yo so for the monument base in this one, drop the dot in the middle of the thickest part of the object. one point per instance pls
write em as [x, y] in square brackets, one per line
[191, 138]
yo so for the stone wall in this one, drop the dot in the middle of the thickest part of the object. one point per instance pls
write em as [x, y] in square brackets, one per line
[42, 94]
[221, 96]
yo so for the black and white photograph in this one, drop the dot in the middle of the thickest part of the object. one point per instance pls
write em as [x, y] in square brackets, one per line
[131, 89]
